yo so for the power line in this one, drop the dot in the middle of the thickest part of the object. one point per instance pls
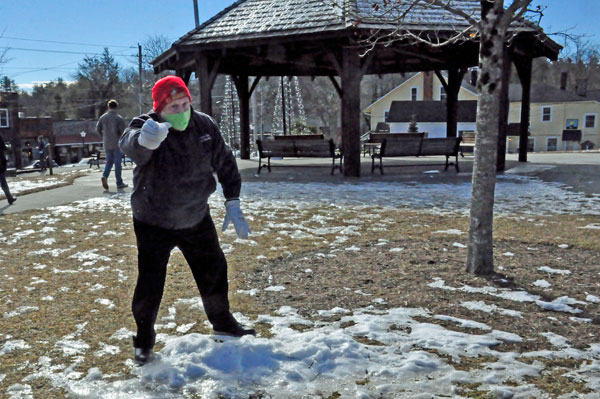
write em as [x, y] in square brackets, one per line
[60, 51]
[33, 69]
[51, 41]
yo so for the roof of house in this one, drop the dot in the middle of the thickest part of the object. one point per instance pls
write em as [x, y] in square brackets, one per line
[408, 76]
[593, 95]
[75, 139]
[544, 94]
[429, 111]
[69, 132]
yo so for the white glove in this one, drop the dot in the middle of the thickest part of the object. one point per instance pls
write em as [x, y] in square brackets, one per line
[153, 133]
[234, 214]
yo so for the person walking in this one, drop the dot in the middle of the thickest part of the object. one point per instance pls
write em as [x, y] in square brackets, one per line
[110, 126]
[9, 197]
[41, 148]
[176, 150]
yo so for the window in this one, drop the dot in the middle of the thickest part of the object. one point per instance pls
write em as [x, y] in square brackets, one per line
[546, 114]
[414, 91]
[4, 117]
[530, 145]
[572, 124]
[385, 115]
[552, 144]
[442, 93]
[590, 120]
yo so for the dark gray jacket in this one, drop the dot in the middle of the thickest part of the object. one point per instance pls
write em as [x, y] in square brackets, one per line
[110, 126]
[171, 184]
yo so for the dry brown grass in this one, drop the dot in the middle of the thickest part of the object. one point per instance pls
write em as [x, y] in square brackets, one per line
[400, 278]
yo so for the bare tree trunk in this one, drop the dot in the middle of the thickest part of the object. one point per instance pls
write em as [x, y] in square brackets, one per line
[480, 257]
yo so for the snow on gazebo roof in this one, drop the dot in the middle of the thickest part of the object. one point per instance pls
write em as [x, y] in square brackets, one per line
[249, 19]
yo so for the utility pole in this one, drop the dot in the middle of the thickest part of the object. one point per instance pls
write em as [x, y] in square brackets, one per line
[197, 19]
[141, 79]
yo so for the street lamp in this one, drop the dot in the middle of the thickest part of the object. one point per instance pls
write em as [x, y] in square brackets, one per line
[83, 133]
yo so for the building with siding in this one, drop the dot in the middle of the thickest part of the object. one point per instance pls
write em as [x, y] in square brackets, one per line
[20, 134]
[417, 87]
[69, 144]
[559, 120]
[9, 126]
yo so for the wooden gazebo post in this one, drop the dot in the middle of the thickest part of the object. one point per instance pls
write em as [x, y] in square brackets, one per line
[524, 67]
[504, 107]
[241, 85]
[351, 78]
[351, 71]
[244, 94]
[206, 75]
[452, 87]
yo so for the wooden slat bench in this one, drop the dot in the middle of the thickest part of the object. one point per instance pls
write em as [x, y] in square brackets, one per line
[300, 137]
[300, 148]
[98, 158]
[418, 147]
[468, 142]
[375, 139]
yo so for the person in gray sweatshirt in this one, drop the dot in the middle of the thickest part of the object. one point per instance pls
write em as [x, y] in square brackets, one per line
[177, 151]
[3, 164]
[110, 126]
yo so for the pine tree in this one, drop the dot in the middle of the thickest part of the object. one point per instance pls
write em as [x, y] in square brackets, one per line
[412, 127]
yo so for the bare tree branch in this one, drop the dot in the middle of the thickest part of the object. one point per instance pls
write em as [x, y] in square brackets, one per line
[3, 54]
[456, 11]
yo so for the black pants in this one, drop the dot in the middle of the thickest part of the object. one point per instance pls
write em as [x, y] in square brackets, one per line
[200, 247]
[4, 184]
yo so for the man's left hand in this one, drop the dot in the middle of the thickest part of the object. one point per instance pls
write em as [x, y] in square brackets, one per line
[233, 213]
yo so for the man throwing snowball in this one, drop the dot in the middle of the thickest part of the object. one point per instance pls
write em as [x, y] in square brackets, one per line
[176, 150]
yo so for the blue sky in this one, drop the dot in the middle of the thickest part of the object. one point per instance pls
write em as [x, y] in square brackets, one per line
[86, 26]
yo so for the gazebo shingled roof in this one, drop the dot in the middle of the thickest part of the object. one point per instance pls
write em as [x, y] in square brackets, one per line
[319, 38]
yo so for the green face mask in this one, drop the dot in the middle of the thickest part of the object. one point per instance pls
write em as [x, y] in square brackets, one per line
[179, 121]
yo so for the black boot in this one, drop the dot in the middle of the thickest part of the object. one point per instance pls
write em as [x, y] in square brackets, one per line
[228, 325]
[143, 356]
[11, 200]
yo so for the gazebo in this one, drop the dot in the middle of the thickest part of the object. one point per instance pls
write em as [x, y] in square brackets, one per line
[263, 38]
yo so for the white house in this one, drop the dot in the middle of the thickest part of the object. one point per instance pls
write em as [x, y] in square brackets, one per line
[430, 116]
[559, 119]
[422, 94]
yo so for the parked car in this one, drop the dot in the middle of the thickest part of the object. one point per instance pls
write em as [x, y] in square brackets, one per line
[36, 165]
[84, 162]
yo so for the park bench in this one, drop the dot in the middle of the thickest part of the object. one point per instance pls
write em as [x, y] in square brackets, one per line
[468, 142]
[297, 148]
[99, 157]
[418, 147]
[299, 137]
[373, 142]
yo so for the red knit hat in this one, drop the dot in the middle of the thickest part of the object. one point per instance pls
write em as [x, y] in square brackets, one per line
[168, 89]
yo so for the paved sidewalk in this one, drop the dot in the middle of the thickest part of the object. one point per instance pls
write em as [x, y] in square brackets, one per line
[580, 171]
[83, 188]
